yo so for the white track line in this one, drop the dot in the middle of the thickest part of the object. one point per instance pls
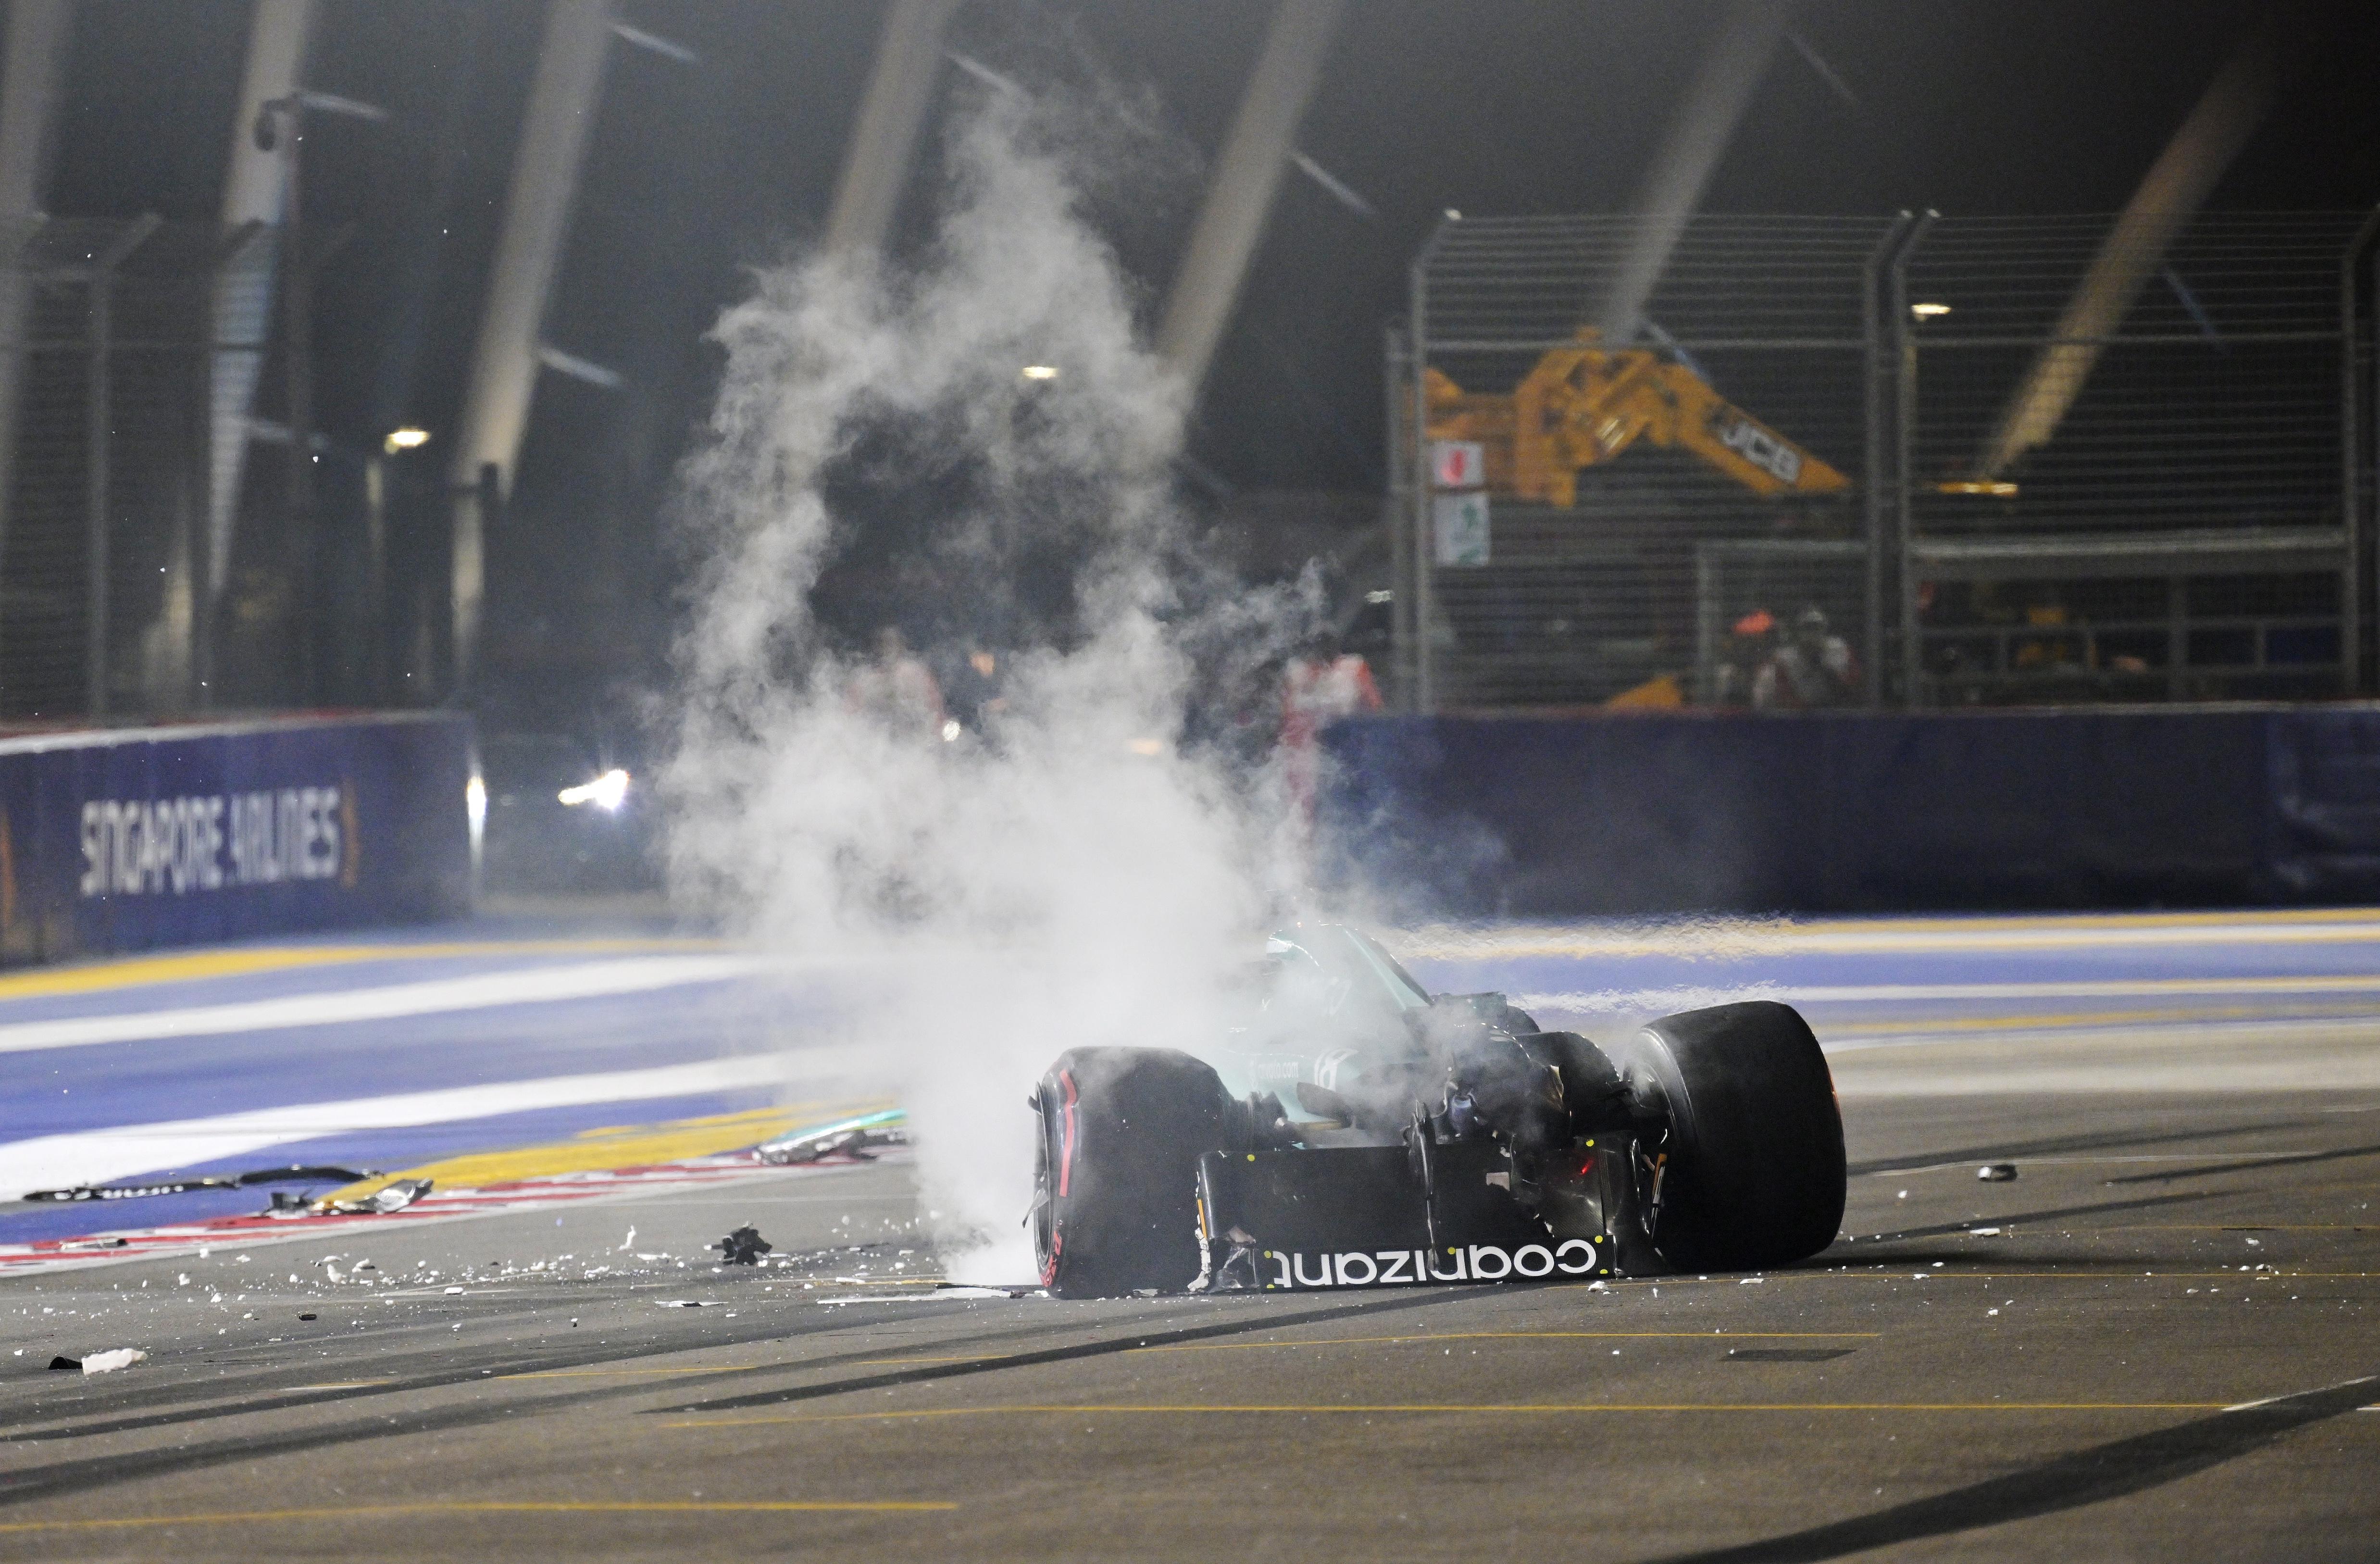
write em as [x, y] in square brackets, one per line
[1624, 1000]
[538, 985]
[1723, 940]
[125, 1151]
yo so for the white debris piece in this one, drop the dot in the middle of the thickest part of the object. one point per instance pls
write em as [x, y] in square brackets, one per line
[453, 1291]
[628, 1242]
[681, 1302]
[109, 1361]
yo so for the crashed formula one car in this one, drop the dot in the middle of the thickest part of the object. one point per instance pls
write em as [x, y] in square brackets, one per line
[1355, 1131]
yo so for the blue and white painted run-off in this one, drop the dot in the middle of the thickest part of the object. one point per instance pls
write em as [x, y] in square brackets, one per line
[380, 1056]
[1898, 963]
[410, 1048]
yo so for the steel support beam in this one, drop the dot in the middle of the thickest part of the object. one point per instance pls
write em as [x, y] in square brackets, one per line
[2355, 451]
[38, 35]
[1681, 170]
[1239, 199]
[900, 91]
[255, 188]
[561, 104]
[99, 427]
[2175, 185]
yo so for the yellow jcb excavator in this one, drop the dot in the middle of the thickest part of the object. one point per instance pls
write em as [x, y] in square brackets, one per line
[1583, 405]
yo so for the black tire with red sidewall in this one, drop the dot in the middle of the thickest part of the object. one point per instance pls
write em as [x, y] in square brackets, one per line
[1116, 1207]
[1757, 1173]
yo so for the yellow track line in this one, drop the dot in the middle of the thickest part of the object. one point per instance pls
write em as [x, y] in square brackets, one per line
[281, 958]
[1918, 1027]
[626, 1373]
[613, 1147]
[2232, 1227]
[1450, 1336]
[1895, 1271]
[1503, 1408]
[524, 1506]
[1536, 1335]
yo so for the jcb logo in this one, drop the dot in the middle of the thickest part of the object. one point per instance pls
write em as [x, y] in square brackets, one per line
[1385, 1267]
[1762, 449]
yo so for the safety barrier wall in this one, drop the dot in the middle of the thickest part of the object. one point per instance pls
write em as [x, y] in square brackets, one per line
[130, 839]
[1857, 811]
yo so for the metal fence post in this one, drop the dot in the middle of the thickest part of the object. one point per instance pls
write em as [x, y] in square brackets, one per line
[95, 538]
[1423, 554]
[1706, 624]
[1394, 367]
[1877, 475]
[2350, 436]
[2371, 429]
[97, 427]
[1904, 432]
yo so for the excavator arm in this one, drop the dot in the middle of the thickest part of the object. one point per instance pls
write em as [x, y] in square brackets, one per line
[1580, 406]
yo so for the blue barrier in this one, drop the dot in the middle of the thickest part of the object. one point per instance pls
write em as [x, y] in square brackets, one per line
[126, 841]
[1858, 811]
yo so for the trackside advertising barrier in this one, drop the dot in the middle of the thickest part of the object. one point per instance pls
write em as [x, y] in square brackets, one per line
[1858, 811]
[131, 840]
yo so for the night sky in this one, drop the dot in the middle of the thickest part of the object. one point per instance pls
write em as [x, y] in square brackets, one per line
[1492, 106]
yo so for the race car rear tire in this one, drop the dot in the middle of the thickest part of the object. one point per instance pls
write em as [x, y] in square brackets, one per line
[1115, 1207]
[1756, 1170]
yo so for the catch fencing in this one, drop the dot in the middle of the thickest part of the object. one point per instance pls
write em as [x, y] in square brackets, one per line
[1943, 461]
[161, 552]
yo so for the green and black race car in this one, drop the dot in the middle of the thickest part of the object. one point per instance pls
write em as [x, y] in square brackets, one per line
[1353, 1130]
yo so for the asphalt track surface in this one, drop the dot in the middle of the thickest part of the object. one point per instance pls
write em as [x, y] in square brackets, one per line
[2158, 1342]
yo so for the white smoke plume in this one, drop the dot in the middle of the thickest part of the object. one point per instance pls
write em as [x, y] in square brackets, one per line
[1073, 878]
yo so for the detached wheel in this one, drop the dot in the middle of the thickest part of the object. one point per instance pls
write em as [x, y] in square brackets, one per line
[1755, 1173]
[1116, 1180]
